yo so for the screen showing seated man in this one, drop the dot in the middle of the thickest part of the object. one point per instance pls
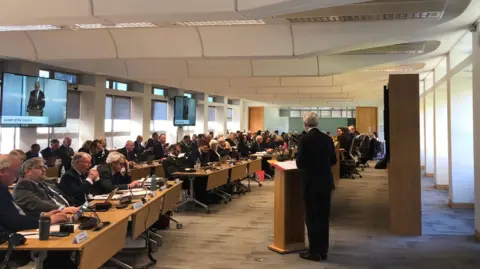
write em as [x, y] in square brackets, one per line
[33, 101]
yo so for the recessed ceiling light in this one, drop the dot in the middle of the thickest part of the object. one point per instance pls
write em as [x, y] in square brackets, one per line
[118, 25]
[220, 23]
[28, 28]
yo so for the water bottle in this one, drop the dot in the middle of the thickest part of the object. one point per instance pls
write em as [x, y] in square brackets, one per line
[197, 165]
[44, 228]
[153, 183]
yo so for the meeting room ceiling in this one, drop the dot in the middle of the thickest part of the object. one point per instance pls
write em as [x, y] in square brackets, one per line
[286, 52]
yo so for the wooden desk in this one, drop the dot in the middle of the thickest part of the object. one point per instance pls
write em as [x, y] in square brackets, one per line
[239, 171]
[96, 250]
[254, 166]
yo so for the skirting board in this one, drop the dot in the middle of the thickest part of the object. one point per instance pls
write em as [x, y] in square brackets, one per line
[460, 205]
[441, 187]
[429, 175]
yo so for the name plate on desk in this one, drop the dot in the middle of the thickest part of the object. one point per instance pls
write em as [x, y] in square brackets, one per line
[137, 205]
[144, 165]
[177, 181]
[208, 171]
[79, 238]
[162, 188]
[232, 164]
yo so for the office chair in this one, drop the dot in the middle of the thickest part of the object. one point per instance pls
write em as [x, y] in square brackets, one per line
[348, 163]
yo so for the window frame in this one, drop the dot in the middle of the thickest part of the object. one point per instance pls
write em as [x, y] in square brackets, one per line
[164, 91]
[113, 85]
[109, 136]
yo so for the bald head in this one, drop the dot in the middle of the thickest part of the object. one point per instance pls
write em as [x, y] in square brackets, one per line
[67, 141]
[129, 145]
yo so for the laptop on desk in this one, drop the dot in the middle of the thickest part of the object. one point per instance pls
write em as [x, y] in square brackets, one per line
[105, 206]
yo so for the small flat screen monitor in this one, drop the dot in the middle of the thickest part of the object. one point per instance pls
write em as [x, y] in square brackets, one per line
[185, 113]
[28, 101]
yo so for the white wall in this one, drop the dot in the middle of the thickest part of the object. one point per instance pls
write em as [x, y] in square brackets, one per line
[273, 121]
[441, 136]
[429, 133]
[422, 132]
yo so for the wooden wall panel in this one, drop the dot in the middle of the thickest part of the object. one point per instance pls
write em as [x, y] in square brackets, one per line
[256, 118]
[366, 119]
[404, 178]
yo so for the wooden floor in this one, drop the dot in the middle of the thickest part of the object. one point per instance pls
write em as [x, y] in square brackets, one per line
[235, 236]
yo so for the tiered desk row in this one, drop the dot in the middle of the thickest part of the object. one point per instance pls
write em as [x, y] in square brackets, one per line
[101, 246]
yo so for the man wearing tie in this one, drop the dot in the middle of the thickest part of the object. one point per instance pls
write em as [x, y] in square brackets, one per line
[315, 156]
[37, 99]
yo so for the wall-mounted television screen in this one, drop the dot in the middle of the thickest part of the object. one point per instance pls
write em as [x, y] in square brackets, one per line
[185, 111]
[28, 101]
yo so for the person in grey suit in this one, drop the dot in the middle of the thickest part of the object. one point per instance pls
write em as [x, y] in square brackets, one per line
[33, 193]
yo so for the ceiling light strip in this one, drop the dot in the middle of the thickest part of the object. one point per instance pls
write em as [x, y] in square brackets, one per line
[220, 23]
[118, 25]
[43, 27]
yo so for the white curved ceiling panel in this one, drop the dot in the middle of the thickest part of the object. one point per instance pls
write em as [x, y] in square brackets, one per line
[244, 41]
[293, 90]
[320, 90]
[16, 45]
[255, 82]
[85, 44]
[157, 42]
[270, 8]
[169, 82]
[219, 68]
[156, 68]
[59, 12]
[307, 81]
[335, 64]
[205, 83]
[285, 67]
[110, 67]
[236, 91]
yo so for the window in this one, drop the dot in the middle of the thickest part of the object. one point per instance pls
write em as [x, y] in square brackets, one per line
[159, 121]
[336, 113]
[188, 95]
[295, 113]
[117, 120]
[44, 74]
[158, 91]
[115, 85]
[211, 118]
[422, 86]
[45, 134]
[71, 78]
[229, 114]
[211, 99]
[429, 81]
[325, 113]
[441, 69]
[461, 50]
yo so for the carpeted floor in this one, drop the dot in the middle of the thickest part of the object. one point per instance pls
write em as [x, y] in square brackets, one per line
[236, 235]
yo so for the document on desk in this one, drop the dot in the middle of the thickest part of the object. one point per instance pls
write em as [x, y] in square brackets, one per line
[33, 234]
[288, 165]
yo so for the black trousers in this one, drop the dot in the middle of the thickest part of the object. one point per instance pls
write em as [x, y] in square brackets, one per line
[317, 218]
[54, 260]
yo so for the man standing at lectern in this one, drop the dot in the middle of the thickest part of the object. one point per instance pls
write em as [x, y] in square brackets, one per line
[315, 157]
[37, 98]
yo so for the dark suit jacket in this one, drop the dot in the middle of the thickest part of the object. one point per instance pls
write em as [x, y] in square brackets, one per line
[159, 151]
[131, 156]
[315, 157]
[196, 155]
[100, 157]
[84, 150]
[75, 187]
[257, 148]
[31, 155]
[173, 164]
[138, 148]
[108, 182]
[212, 156]
[34, 101]
[32, 198]
[48, 153]
[10, 219]
[186, 148]
[243, 150]
[223, 152]
[65, 155]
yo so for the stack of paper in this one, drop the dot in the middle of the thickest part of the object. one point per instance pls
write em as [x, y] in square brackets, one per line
[288, 165]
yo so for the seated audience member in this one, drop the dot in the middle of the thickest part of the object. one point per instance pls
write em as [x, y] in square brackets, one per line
[352, 131]
[199, 153]
[242, 147]
[258, 146]
[113, 174]
[128, 151]
[344, 138]
[151, 142]
[33, 152]
[232, 139]
[213, 155]
[194, 138]
[160, 150]
[14, 219]
[186, 144]
[18, 153]
[86, 147]
[267, 143]
[103, 141]
[98, 153]
[50, 152]
[65, 152]
[137, 146]
[33, 193]
[76, 182]
[173, 162]
[223, 149]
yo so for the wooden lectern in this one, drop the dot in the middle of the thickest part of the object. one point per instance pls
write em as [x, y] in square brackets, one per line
[289, 216]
